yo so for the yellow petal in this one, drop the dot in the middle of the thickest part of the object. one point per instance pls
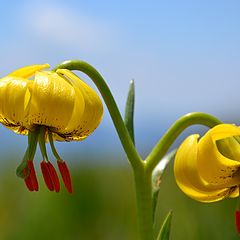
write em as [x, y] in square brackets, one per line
[14, 98]
[52, 102]
[81, 127]
[60, 101]
[214, 167]
[187, 175]
[28, 71]
[235, 192]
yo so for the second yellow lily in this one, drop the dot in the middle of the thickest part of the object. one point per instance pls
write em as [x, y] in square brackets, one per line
[207, 170]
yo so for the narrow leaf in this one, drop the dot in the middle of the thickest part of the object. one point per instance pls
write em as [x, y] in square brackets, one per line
[129, 110]
[164, 233]
[157, 177]
[154, 202]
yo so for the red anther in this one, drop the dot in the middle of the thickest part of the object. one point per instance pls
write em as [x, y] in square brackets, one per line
[66, 177]
[54, 177]
[28, 181]
[32, 175]
[46, 176]
[237, 220]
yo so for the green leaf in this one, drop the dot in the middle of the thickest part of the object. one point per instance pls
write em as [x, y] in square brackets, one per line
[157, 177]
[164, 233]
[160, 168]
[129, 110]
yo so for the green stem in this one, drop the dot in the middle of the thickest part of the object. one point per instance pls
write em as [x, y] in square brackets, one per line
[143, 181]
[143, 186]
[142, 169]
[103, 88]
[174, 131]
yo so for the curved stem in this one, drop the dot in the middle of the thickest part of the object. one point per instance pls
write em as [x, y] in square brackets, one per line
[142, 169]
[122, 131]
[174, 131]
[142, 178]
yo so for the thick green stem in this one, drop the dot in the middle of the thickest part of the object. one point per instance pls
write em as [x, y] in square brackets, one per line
[174, 131]
[103, 88]
[143, 185]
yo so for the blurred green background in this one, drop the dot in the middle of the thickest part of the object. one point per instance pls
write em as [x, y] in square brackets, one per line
[103, 207]
[184, 56]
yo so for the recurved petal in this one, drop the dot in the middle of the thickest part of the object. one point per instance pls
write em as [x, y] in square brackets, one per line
[53, 100]
[235, 192]
[213, 166]
[28, 71]
[14, 100]
[81, 127]
[187, 175]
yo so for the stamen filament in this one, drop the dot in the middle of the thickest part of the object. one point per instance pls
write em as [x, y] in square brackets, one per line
[42, 145]
[54, 151]
[32, 143]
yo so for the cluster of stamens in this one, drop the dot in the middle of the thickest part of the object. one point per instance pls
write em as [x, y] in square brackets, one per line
[26, 169]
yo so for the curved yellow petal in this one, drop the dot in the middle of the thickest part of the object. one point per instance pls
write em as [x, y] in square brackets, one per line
[235, 192]
[52, 101]
[28, 71]
[81, 127]
[214, 167]
[187, 174]
[14, 98]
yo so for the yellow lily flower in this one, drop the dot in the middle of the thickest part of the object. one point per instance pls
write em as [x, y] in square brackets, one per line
[58, 100]
[207, 170]
[50, 106]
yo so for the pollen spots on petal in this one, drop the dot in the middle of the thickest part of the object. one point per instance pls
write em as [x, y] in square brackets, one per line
[17, 127]
[42, 119]
[226, 176]
[227, 193]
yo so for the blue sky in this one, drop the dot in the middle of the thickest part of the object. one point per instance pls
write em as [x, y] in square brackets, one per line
[183, 55]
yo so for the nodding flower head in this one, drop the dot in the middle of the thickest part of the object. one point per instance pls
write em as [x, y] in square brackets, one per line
[208, 169]
[47, 106]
